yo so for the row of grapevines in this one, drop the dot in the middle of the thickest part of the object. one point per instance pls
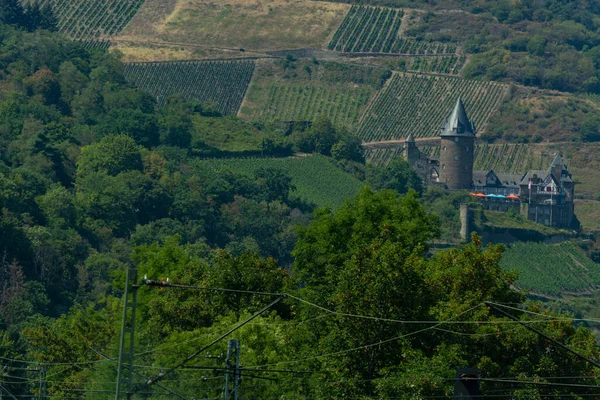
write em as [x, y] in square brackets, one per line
[551, 269]
[437, 64]
[376, 30]
[95, 44]
[420, 104]
[509, 158]
[223, 83]
[316, 178]
[367, 29]
[91, 19]
[305, 102]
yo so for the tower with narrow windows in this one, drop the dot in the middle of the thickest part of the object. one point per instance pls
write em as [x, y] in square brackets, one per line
[456, 152]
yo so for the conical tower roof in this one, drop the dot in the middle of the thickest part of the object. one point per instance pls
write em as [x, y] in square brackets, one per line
[410, 138]
[557, 160]
[458, 123]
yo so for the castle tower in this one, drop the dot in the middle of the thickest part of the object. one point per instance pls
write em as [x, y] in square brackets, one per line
[411, 151]
[456, 153]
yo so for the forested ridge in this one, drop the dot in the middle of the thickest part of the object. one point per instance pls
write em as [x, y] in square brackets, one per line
[95, 178]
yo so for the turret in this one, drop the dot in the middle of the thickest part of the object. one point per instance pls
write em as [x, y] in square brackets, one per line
[456, 153]
[411, 151]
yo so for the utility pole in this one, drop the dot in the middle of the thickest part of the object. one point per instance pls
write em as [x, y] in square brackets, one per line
[126, 345]
[233, 371]
[43, 383]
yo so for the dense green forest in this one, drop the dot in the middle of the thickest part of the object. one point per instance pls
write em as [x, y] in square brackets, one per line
[95, 178]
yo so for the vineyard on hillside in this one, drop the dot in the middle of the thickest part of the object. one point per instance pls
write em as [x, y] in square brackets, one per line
[316, 178]
[91, 19]
[437, 64]
[382, 156]
[510, 158]
[304, 102]
[222, 83]
[551, 269]
[375, 30]
[419, 104]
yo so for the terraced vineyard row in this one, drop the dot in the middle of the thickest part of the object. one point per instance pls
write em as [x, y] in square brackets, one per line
[91, 19]
[419, 105]
[316, 178]
[223, 83]
[382, 157]
[375, 30]
[438, 64]
[551, 269]
[509, 158]
[304, 102]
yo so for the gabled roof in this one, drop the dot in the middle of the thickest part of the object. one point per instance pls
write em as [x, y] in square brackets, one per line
[458, 123]
[505, 180]
[529, 175]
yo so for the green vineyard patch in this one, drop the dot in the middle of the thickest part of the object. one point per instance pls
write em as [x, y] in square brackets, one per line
[510, 158]
[91, 19]
[376, 30]
[302, 90]
[419, 104]
[222, 83]
[317, 180]
[305, 102]
[552, 269]
[436, 64]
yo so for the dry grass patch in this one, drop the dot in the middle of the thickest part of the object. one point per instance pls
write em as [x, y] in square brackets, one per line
[147, 52]
[250, 24]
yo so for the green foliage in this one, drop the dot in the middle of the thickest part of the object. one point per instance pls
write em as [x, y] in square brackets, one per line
[113, 154]
[397, 175]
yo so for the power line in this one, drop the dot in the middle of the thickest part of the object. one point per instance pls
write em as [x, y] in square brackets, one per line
[544, 315]
[369, 345]
[538, 332]
[341, 314]
[171, 392]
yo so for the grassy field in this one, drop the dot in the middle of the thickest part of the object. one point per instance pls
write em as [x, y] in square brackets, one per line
[552, 269]
[317, 179]
[250, 25]
[419, 104]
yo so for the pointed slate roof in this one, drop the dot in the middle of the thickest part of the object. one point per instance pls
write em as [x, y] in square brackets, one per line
[458, 123]
[410, 138]
[557, 160]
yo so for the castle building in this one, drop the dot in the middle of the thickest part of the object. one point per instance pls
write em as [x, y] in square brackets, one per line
[456, 152]
[542, 196]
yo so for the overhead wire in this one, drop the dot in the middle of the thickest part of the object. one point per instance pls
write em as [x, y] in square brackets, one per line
[368, 345]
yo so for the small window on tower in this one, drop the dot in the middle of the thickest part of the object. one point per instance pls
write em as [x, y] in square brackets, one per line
[456, 139]
[455, 157]
[445, 148]
[467, 149]
[444, 166]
